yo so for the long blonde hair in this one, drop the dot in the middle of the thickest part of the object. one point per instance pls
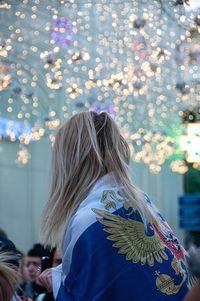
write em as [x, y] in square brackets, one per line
[8, 276]
[87, 146]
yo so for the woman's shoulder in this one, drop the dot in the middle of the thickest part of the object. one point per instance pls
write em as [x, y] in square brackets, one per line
[105, 199]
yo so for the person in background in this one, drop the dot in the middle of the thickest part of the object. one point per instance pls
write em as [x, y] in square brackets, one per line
[25, 268]
[194, 294]
[116, 245]
[3, 234]
[10, 259]
[32, 269]
[8, 275]
[24, 274]
[55, 259]
[6, 245]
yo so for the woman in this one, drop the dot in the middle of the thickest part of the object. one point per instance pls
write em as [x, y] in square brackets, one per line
[9, 277]
[116, 245]
[54, 259]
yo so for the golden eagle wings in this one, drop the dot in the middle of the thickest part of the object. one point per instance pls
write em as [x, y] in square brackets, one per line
[130, 238]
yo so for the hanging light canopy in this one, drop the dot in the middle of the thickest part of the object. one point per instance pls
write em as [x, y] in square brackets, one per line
[134, 60]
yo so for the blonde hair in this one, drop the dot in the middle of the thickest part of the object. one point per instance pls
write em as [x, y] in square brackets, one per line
[8, 276]
[87, 146]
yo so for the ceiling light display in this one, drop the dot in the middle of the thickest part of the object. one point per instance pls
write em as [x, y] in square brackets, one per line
[137, 60]
[62, 33]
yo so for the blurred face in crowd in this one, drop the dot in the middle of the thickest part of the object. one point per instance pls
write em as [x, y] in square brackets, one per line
[57, 258]
[24, 269]
[33, 267]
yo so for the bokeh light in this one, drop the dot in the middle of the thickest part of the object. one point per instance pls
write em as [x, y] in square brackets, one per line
[138, 60]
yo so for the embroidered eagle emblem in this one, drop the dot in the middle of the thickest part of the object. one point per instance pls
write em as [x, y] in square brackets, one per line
[130, 238]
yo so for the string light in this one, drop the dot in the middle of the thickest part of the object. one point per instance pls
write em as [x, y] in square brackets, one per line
[5, 5]
[23, 156]
[138, 60]
[5, 77]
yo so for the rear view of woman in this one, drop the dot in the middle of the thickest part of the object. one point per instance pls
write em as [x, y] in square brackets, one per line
[116, 245]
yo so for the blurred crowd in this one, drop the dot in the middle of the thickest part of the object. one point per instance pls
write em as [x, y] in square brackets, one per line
[19, 272]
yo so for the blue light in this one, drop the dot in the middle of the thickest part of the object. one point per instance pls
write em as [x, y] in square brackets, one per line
[14, 130]
[109, 109]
